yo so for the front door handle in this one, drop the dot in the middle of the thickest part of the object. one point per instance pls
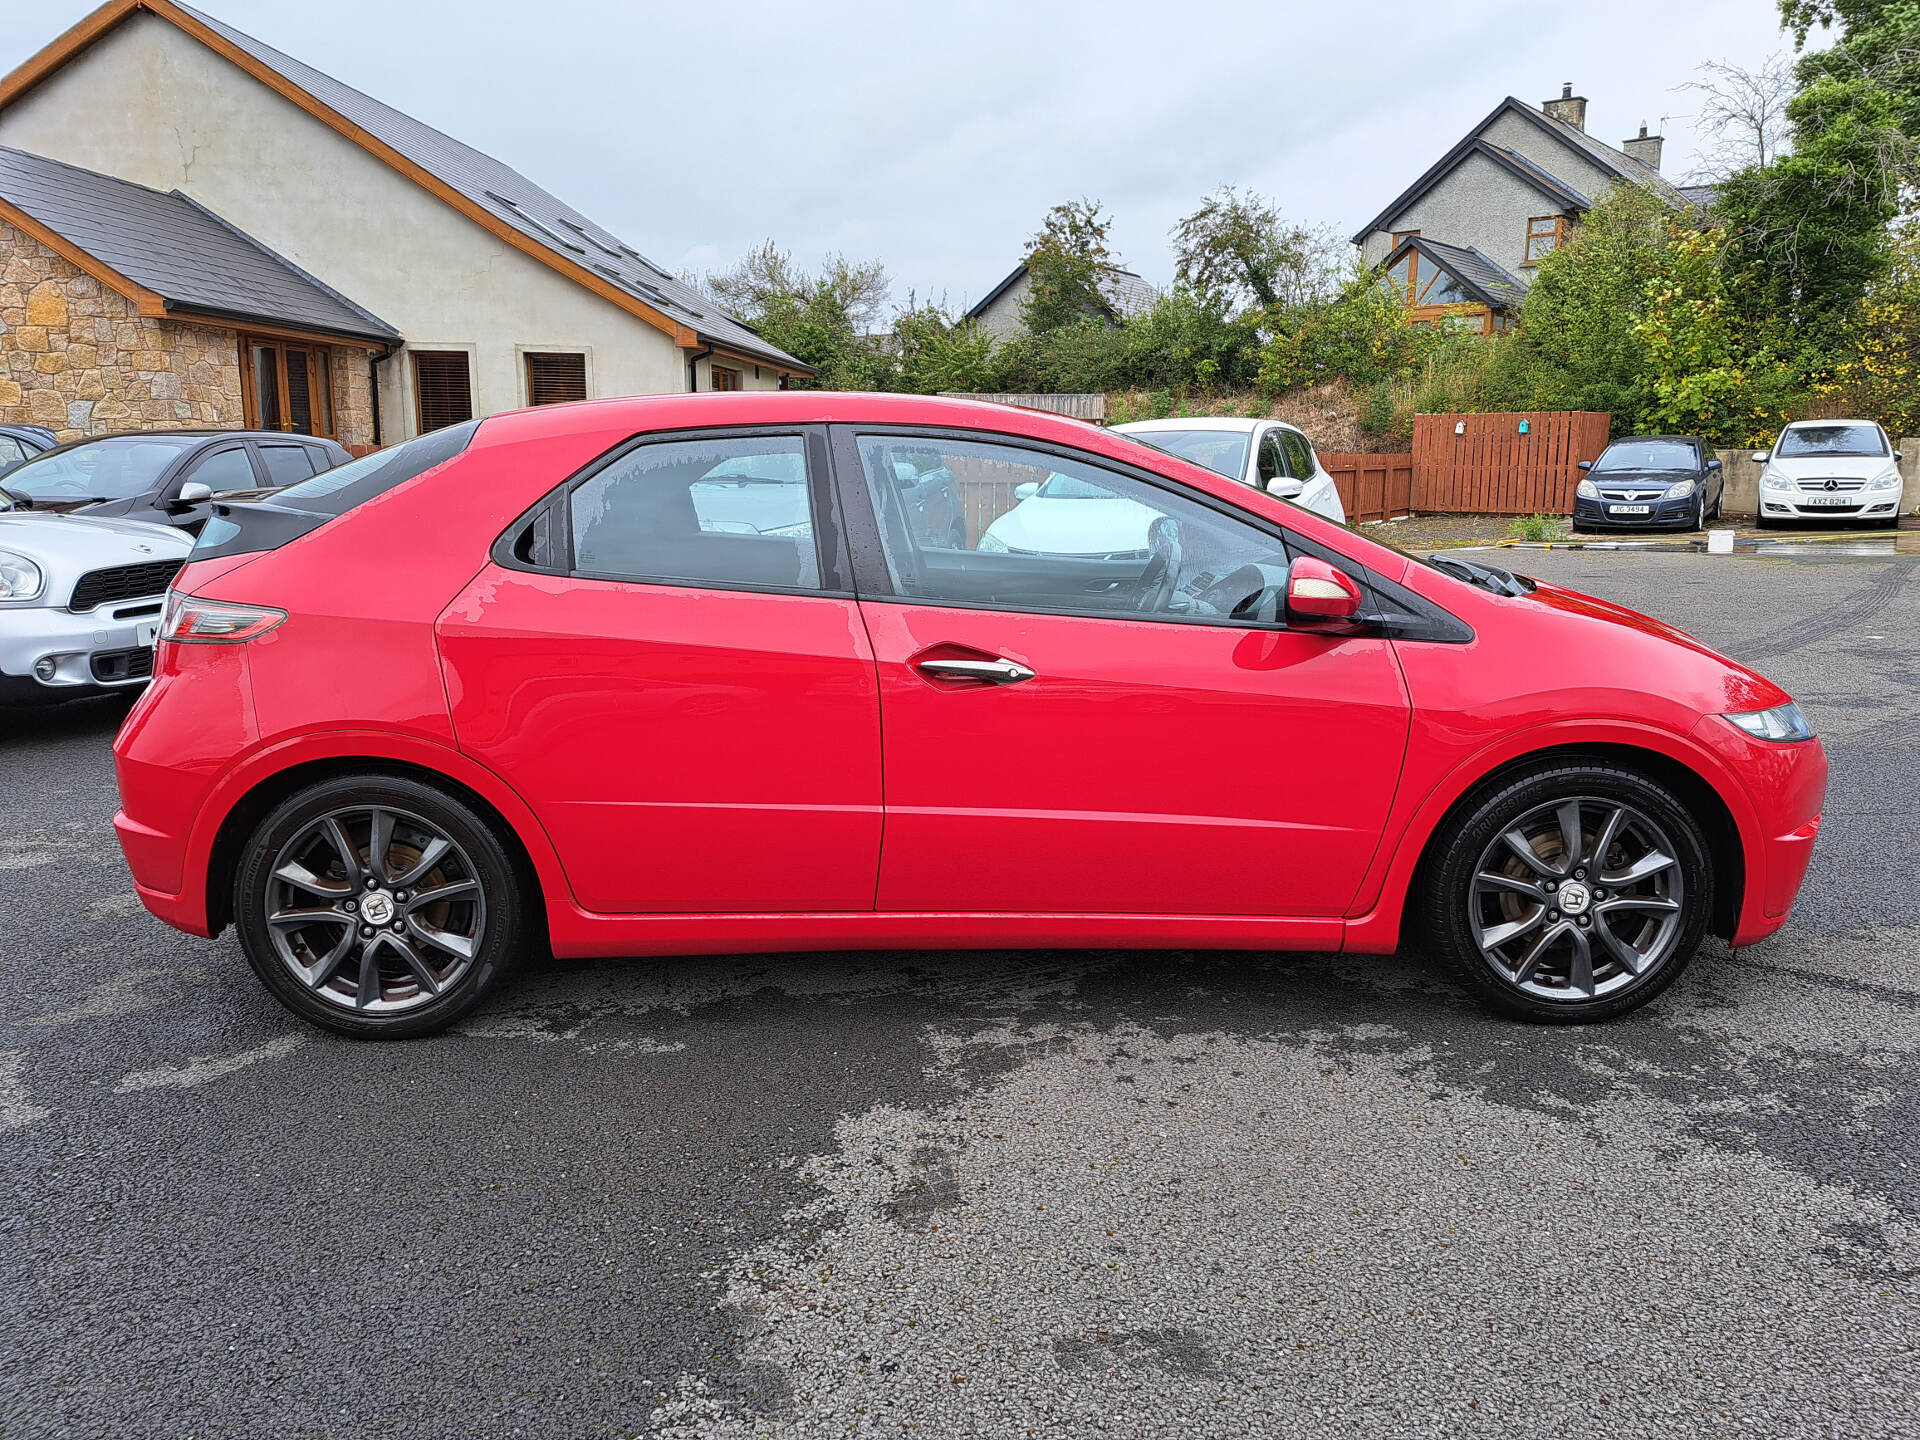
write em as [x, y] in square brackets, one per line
[993, 672]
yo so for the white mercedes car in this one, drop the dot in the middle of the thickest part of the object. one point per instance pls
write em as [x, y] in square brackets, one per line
[80, 601]
[1267, 454]
[1830, 470]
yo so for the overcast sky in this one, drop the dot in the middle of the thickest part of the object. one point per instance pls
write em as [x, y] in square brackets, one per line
[935, 137]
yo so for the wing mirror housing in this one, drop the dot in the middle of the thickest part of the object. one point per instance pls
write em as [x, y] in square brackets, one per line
[190, 494]
[1585, 465]
[1713, 464]
[1318, 593]
[1760, 457]
[1026, 490]
[1284, 487]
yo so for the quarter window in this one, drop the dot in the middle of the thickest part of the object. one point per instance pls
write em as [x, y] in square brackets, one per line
[1272, 462]
[732, 513]
[1062, 536]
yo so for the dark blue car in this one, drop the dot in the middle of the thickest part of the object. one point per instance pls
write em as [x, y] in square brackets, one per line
[1650, 482]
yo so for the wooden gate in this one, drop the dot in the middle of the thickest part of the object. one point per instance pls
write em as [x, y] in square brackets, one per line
[1509, 464]
[1372, 487]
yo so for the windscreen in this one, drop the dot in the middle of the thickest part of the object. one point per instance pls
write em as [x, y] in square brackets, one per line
[1647, 455]
[1222, 451]
[1837, 439]
[113, 469]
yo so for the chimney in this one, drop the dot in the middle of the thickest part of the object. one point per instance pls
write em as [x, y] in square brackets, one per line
[1569, 107]
[1645, 148]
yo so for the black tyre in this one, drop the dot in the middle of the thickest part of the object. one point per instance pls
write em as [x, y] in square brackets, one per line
[379, 907]
[1569, 892]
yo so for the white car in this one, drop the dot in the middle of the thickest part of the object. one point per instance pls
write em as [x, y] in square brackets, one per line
[80, 601]
[1267, 454]
[1830, 470]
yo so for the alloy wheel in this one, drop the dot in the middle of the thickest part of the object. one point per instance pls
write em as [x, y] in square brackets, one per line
[374, 909]
[1577, 899]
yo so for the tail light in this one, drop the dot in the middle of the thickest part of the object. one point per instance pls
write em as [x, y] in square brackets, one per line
[190, 621]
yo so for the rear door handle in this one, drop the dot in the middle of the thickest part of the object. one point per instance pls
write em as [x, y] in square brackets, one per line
[993, 672]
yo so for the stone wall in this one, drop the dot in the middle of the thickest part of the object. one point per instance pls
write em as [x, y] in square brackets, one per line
[352, 396]
[78, 358]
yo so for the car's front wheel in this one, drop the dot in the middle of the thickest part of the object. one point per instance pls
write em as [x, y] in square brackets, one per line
[378, 907]
[1573, 891]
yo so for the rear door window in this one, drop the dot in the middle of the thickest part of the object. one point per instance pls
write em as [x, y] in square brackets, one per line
[287, 464]
[731, 513]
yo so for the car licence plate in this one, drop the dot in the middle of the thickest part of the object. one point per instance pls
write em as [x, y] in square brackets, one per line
[1629, 509]
[1829, 500]
[147, 633]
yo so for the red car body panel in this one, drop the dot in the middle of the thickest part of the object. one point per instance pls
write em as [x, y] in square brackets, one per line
[689, 750]
[1084, 789]
[780, 778]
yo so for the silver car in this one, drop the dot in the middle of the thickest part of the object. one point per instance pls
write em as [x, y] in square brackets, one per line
[80, 602]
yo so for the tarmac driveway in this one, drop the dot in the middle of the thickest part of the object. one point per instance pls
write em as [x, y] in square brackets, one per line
[997, 1194]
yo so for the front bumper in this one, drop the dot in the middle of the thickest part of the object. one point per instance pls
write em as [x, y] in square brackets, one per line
[110, 648]
[1661, 514]
[1787, 785]
[1882, 505]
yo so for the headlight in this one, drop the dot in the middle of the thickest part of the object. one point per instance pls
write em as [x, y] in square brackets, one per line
[1679, 490]
[20, 578]
[1784, 723]
[1775, 481]
[992, 544]
[1587, 490]
[1888, 481]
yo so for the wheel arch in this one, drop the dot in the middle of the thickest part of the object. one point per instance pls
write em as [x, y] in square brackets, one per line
[269, 790]
[1726, 849]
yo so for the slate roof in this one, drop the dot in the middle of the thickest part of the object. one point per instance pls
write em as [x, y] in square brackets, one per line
[179, 249]
[1126, 293]
[512, 198]
[1701, 197]
[1491, 283]
[1615, 162]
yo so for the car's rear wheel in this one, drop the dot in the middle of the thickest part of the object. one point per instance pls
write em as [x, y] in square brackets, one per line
[1572, 892]
[378, 907]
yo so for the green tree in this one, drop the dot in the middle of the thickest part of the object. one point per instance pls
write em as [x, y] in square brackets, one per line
[938, 351]
[1237, 252]
[825, 318]
[1067, 261]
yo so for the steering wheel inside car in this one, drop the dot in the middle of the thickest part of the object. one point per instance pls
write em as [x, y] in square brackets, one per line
[1160, 581]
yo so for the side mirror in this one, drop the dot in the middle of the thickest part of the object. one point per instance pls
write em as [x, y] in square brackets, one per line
[190, 494]
[1026, 490]
[1761, 457]
[1317, 592]
[1713, 464]
[1898, 456]
[1586, 465]
[1284, 487]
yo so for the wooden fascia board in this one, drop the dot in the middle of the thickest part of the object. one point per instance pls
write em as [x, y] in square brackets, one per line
[276, 331]
[723, 352]
[107, 17]
[145, 301]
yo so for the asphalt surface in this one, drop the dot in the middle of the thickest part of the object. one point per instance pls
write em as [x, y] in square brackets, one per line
[998, 1194]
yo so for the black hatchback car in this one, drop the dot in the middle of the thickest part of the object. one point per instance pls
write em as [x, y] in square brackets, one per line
[166, 476]
[1650, 482]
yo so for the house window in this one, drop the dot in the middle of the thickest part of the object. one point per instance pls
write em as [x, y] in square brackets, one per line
[556, 379]
[442, 388]
[287, 387]
[1400, 235]
[725, 379]
[1545, 234]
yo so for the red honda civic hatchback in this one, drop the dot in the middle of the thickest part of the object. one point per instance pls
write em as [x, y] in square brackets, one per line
[724, 673]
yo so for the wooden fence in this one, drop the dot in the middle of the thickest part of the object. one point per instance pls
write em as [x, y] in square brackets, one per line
[1372, 487]
[1511, 464]
[1076, 407]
